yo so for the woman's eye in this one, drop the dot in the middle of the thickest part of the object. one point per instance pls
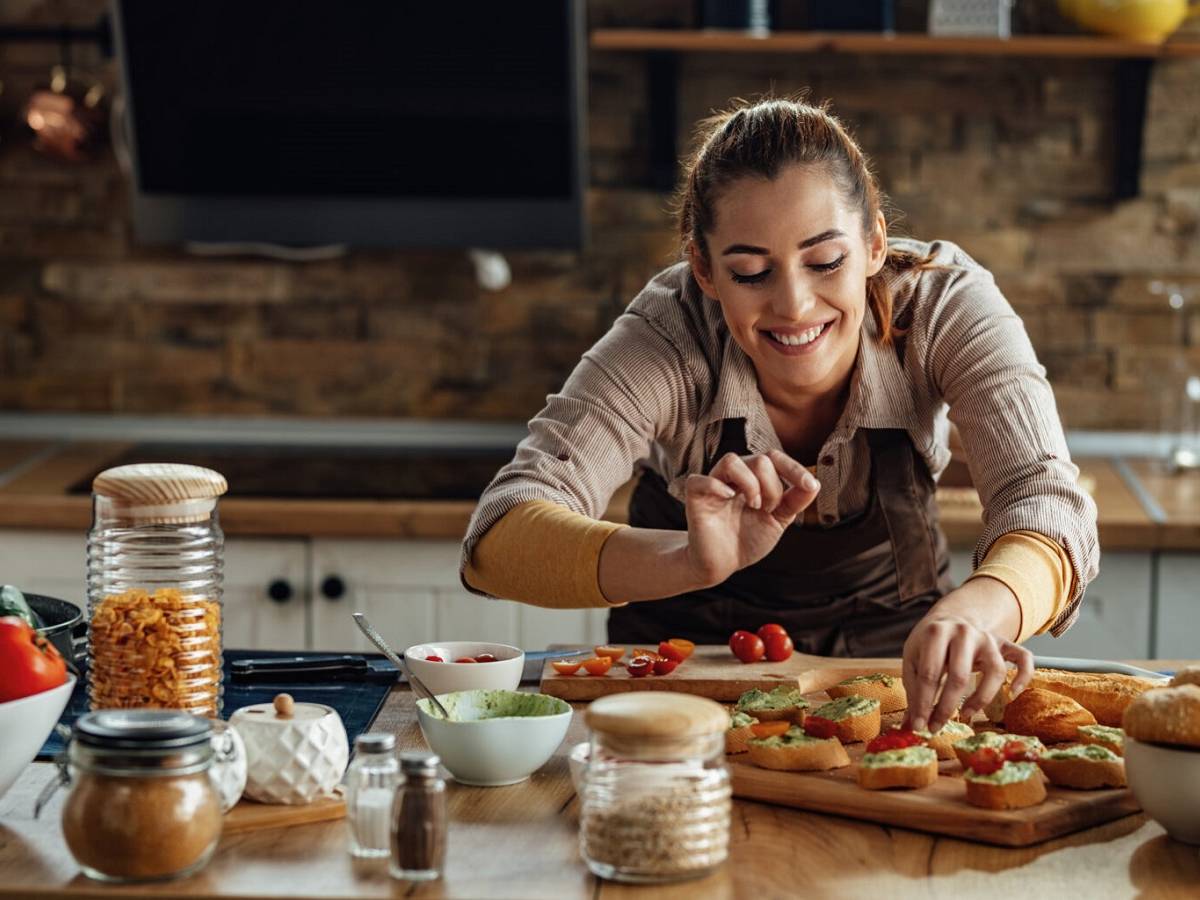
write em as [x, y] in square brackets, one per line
[750, 279]
[829, 266]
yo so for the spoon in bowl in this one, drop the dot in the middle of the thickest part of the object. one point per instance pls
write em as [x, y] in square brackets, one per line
[376, 638]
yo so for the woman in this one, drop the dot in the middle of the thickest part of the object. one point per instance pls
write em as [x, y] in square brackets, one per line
[787, 392]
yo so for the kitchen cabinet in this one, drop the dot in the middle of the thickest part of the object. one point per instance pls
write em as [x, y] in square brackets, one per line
[1177, 625]
[53, 563]
[266, 594]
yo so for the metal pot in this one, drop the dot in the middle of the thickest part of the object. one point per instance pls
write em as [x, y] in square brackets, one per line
[61, 619]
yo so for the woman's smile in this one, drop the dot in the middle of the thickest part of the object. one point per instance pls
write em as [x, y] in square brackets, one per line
[798, 341]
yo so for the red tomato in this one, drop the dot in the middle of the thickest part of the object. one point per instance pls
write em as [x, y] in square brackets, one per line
[770, 729]
[669, 651]
[470, 659]
[639, 666]
[819, 727]
[434, 659]
[614, 652]
[771, 628]
[778, 646]
[642, 651]
[1018, 751]
[747, 646]
[894, 739]
[683, 645]
[665, 666]
[29, 664]
[598, 665]
[985, 761]
[566, 666]
[485, 657]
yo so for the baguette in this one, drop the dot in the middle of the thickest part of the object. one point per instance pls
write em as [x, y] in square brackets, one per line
[1105, 696]
[951, 733]
[1169, 715]
[796, 751]
[887, 689]
[1052, 717]
[1015, 785]
[1083, 766]
[911, 767]
[781, 704]
[855, 718]
[1104, 736]
[739, 731]
[994, 739]
[1186, 675]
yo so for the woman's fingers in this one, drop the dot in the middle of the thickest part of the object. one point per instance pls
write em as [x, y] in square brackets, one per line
[1023, 660]
[959, 659]
[992, 673]
[804, 487]
[707, 486]
[924, 662]
[733, 470]
[769, 485]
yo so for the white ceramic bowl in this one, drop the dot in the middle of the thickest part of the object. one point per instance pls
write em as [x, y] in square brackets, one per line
[1166, 781]
[24, 726]
[494, 737]
[443, 677]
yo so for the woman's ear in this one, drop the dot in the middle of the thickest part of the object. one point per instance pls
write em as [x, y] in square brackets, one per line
[701, 269]
[877, 246]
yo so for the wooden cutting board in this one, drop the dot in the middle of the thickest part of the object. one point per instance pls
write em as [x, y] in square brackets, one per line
[249, 815]
[713, 672]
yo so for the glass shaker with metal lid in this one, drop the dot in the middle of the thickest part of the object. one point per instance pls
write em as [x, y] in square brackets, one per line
[155, 573]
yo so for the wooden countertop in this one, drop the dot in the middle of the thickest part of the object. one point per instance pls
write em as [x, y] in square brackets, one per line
[522, 842]
[34, 477]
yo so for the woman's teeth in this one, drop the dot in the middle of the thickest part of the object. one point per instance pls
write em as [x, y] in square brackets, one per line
[796, 340]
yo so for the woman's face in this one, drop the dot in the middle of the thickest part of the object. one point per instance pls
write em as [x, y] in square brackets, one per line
[789, 264]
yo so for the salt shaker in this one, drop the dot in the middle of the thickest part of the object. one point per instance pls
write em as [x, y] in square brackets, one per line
[371, 784]
[419, 819]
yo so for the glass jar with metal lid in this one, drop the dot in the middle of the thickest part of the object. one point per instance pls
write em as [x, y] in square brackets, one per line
[655, 794]
[155, 573]
[142, 805]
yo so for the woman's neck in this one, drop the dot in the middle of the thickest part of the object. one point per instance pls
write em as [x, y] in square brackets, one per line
[804, 421]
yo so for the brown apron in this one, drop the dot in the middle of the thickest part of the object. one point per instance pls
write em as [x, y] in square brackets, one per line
[853, 589]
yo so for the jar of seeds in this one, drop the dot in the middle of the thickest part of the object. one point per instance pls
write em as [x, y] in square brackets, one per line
[655, 794]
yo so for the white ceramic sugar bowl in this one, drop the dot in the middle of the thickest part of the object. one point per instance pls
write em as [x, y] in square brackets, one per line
[295, 752]
[229, 764]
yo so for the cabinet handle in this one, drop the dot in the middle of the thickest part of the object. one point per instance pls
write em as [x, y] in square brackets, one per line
[279, 590]
[333, 588]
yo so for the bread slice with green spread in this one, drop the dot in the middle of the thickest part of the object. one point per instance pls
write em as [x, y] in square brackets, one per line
[994, 739]
[780, 704]
[910, 767]
[887, 689]
[855, 718]
[951, 733]
[1083, 766]
[796, 751]
[1105, 736]
[739, 732]
[1013, 786]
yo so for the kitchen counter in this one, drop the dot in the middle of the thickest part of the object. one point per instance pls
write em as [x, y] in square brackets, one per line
[521, 842]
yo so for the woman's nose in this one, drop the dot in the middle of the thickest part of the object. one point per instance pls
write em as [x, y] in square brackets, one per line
[793, 299]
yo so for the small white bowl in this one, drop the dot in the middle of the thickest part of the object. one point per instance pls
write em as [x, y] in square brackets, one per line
[443, 677]
[494, 737]
[24, 726]
[1166, 781]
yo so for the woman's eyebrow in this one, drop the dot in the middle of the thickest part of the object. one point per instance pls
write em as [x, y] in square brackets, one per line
[828, 235]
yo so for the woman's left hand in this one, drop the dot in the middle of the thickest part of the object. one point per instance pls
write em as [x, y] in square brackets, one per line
[964, 632]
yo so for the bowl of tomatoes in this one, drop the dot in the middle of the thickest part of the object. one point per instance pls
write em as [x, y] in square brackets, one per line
[446, 666]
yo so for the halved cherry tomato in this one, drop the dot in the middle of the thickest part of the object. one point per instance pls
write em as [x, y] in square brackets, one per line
[469, 659]
[566, 666]
[985, 761]
[639, 666]
[485, 657]
[819, 727]
[434, 659]
[771, 628]
[894, 739]
[770, 729]
[683, 645]
[597, 665]
[642, 651]
[665, 666]
[1018, 751]
[669, 651]
[747, 646]
[778, 647]
[611, 652]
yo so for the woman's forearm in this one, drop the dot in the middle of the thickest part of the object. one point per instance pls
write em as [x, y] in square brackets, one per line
[986, 603]
[646, 564]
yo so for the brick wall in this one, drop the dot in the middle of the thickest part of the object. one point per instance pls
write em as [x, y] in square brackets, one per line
[1011, 158]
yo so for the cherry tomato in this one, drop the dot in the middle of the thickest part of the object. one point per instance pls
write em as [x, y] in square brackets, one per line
[434, 659]
[1018, 751]
[665, 666]
[566, 666]
[485, 657]
[985, 761]
[683, 645]
[29, 664]
[747, 646]
[597, 665]
[771, 628]
[470, 659]
[639, 666]
[669, 651]
[612, 652]
[642, 651]
[778, 646]
[819, 727]
[770, 729]
[894, 739]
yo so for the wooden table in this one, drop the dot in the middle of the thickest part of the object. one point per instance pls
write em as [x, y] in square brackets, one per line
[521, 842]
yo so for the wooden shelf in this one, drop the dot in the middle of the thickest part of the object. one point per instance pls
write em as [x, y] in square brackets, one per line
[1046, 45]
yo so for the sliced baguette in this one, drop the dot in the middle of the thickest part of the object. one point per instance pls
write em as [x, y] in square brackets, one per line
[1083, 772]
[887, 689]
[907, 774]
[852, 728]
[813, 755]
[1029, 791]
[736, 738]
[1104, 736]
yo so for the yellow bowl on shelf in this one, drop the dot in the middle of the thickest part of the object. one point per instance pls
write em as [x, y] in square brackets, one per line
[1147, 21]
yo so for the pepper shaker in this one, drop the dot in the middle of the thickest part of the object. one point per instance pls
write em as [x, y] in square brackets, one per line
[419, 819]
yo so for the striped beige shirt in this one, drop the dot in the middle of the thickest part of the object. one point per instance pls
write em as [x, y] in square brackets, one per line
[653, 392]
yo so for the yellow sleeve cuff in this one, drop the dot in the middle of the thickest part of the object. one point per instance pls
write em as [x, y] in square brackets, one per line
[1037, 570]
[542, 554]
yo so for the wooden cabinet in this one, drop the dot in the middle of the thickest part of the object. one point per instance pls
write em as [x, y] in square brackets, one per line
[266, 594]
[1177, 625]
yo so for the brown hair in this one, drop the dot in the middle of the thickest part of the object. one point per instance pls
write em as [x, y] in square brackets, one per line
[760, 139]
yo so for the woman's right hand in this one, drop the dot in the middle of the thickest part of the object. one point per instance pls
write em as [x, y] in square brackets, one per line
[737, 513]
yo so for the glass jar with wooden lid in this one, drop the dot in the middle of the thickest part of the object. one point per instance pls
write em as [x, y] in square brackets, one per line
[155, 570]
[655, 794]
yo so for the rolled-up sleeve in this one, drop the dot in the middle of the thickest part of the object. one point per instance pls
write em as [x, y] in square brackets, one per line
[982, 363]
[629, 390]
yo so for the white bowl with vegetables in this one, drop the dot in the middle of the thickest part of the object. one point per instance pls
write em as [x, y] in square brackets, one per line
[442, 665]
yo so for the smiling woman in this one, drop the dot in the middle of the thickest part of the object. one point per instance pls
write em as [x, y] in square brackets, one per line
[786, 391]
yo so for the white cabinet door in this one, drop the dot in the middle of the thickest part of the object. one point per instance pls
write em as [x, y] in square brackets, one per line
[53, 563]
[266, 594]
[1178, 627]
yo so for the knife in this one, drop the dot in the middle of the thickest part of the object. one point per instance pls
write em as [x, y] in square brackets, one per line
[1069, 664]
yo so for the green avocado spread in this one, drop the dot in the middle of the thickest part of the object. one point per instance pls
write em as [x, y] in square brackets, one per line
[793, 737]
[950, 729]
[1009, 773]
[877, 678]
[741, 720]
[1082, 751]
[1105, 733]
[846, 707]
[782, 697]
[906, 756]
[473, 706]
[997, 740]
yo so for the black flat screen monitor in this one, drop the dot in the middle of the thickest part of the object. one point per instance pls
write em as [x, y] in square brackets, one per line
[303, 122]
